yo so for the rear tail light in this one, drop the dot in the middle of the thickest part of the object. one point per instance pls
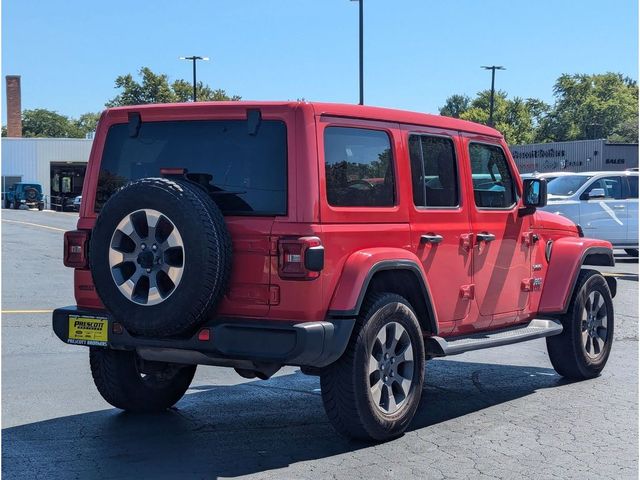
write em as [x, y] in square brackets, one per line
[300, 258]
[75, 248]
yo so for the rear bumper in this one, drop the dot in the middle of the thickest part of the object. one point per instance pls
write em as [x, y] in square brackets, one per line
[232, 341]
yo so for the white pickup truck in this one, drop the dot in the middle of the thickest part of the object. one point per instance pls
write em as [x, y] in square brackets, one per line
[604, 204]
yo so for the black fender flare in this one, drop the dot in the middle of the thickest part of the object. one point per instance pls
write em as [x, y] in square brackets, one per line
[385, 265]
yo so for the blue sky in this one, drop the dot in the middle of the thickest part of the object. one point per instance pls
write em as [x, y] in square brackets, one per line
[417, 52]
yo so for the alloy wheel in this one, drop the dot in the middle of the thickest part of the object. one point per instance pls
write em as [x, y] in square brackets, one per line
[146, 257]
[391, 368]
[594, 325]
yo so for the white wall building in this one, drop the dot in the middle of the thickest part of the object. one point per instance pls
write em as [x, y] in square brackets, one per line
[58, 164]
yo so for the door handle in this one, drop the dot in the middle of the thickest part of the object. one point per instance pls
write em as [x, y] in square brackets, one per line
[431, 238]
[485, 237]
[619, 207]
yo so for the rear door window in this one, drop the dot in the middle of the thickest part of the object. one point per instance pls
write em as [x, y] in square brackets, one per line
[245, 174]
[358, 167]
[433, 171]
[612, 187]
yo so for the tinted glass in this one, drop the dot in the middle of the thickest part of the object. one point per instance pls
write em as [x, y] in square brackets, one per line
[245, 174]
[433, 171]
[358, 167]
[633, 186]
[493, 185]
[612, 187]
[566, 185]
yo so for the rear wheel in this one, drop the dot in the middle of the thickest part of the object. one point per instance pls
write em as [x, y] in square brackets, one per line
[632, 252]
[127, 382]
[373, 390]
[15, 205]
[582, 349]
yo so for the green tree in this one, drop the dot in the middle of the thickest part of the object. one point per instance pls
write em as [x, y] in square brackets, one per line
[4, 130]
[592, 106]
[155, 88]
[517, 119]
[455, 106]
[184, 92]
[46, 123]
[87, 122]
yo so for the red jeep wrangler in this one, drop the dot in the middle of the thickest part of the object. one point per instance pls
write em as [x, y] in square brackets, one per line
[355, 242]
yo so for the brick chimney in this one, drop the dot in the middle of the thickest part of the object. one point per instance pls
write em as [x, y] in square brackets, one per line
[14, 108]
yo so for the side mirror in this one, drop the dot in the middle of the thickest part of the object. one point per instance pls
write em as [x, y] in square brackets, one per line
[597, 193]
[535, 195]
[535, 192]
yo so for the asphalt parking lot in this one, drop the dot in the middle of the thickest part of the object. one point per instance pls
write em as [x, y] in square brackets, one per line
[500, 413]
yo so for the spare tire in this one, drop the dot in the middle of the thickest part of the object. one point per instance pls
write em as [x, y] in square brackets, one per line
[160, 256]
[31, 194]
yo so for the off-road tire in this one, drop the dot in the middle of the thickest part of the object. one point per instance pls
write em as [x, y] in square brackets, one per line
[116, 374]
[345, 383]
[632, 252]
[15, 205]
[207, 257]
[566, 351]
[41, 206]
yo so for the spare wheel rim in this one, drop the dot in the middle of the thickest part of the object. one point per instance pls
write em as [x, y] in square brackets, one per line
[146, 257]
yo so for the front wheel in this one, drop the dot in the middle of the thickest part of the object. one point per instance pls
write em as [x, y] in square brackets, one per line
[582, 349]
[127, 382]
[372, 392]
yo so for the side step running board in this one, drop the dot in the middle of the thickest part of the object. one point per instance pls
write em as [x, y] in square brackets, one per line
[440, 347]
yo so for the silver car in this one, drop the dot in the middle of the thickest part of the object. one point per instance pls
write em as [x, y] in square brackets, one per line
[604, 204]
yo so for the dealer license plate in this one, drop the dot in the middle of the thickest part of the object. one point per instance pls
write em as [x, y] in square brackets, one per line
[88, 330]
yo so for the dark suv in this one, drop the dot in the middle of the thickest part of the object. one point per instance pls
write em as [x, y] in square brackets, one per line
[355, 242]
[29, 194]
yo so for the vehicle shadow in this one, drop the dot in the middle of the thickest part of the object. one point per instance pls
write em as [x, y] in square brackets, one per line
[229, 431]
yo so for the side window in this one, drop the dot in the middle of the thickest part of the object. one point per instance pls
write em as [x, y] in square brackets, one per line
[633, 186]
[433, 171]
[493, 185]
[358, 167]
[612, 187]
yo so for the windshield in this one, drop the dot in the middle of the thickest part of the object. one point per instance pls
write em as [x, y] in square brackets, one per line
[245, 174]
[566, 185]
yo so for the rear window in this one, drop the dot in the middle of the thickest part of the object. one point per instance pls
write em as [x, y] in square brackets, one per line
[245, 174]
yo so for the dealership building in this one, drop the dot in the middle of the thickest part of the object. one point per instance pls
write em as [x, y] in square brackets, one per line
[577, 156]
[58, 164]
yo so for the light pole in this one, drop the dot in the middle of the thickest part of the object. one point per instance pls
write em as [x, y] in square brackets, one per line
[194, 59]
[360, 2]
[493, 69]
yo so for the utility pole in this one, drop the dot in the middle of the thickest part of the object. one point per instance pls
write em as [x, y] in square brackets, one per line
[361, 6]
[194, 59]
[493, 69]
